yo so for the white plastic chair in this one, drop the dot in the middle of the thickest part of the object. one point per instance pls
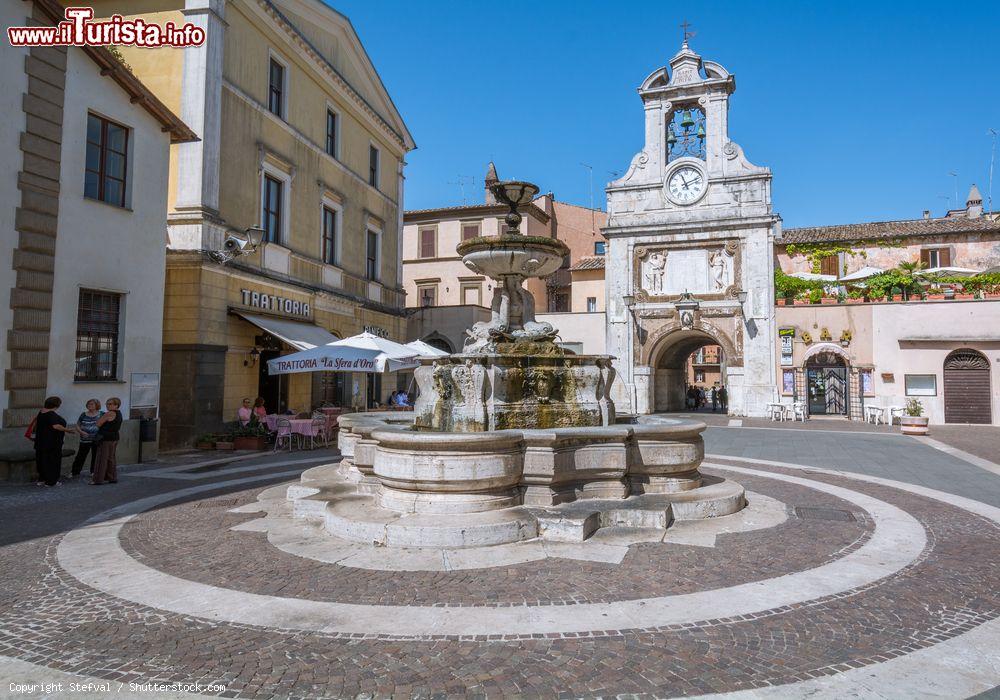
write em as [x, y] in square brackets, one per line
[283, 432]
[777, 412]
[798, 411]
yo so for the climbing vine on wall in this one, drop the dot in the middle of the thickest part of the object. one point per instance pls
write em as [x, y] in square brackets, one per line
[816, 252]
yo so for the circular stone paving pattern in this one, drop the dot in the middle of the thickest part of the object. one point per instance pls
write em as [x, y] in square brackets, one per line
[858, 576]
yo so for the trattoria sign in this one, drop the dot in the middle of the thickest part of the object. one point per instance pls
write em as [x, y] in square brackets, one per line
[320, 364]
[274, 303]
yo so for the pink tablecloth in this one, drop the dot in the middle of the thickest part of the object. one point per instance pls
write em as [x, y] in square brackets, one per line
[301, 426]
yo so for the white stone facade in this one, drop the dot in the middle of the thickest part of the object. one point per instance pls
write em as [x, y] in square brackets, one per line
[698, 224]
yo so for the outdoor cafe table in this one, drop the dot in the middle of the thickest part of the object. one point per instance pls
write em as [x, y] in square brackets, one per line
[300, 426]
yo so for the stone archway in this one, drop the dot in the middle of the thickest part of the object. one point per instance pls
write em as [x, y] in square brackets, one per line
[667, 355]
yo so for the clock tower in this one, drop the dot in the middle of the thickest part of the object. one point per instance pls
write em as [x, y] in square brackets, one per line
[690, 257]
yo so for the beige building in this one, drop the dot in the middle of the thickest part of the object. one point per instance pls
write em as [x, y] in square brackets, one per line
[434, 275]
[84, 214]
[300, 137]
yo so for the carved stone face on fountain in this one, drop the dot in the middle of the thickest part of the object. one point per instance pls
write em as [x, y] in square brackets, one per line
[509, 259]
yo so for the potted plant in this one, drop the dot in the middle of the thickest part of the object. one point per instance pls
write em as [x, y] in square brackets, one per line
[856, 296]
[815, 296]
[252, 436]
[914, 422]
[205, 442]
[224, 442]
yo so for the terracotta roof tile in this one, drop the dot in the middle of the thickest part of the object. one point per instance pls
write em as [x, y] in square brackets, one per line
[876, 230]
[589, 262]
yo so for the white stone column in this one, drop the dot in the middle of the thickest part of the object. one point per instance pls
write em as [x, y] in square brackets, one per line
[643, 377]
[201, 109]
[619, 327]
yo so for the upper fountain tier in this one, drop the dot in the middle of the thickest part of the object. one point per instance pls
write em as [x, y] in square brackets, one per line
[512, 373]
[509, 259]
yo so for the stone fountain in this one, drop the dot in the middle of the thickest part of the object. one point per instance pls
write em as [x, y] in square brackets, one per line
[511, 373]
[513, 439]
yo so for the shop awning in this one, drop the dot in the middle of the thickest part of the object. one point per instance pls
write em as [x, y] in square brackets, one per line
[299, 334]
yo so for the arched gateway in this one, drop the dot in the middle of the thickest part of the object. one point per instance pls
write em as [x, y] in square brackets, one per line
[690, 251]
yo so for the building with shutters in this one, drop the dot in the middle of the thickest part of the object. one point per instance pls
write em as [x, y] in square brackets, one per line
[444, 297]
[298, 135]
[82, 230]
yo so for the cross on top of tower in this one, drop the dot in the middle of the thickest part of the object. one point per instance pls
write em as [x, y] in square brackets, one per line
[685, 25]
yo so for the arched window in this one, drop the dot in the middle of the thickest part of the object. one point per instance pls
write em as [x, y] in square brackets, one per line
[686, 133]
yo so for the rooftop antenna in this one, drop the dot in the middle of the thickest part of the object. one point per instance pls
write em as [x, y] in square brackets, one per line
[461, 183]
[947, 198]
[593, 221]
[993, 154]
[955, 175]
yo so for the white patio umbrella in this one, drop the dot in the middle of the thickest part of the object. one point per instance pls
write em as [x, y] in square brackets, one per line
[426, 350]
[862, 274]
[949, 271]
[365, 352]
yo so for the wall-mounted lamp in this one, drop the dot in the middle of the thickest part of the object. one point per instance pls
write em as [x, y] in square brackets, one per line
[742, 296]
[251, 357]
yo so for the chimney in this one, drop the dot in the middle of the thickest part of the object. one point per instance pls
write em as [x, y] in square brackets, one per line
[927, 214]
[974, 204]
[491, 179]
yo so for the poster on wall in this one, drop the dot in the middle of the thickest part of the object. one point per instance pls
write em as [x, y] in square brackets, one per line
[786, 336]
[144, 395]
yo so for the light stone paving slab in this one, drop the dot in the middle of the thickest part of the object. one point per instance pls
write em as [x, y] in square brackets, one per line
[183, 472]
[93, 554]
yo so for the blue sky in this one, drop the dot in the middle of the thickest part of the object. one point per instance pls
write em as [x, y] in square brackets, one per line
[860, 109]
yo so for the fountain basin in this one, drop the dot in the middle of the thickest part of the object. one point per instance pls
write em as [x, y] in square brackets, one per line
[513, 254]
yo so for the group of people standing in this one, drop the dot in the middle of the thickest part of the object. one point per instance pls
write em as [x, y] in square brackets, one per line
[697, 398]
[99, 432]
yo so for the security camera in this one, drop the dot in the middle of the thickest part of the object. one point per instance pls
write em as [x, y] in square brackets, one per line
[236, 244]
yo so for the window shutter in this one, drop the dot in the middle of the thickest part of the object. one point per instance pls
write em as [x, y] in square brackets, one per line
[925, 257]
[944, 256]
[427, 243]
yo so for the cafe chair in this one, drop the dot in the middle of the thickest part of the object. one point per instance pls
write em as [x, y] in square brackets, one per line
[284, 434]
[318, 431]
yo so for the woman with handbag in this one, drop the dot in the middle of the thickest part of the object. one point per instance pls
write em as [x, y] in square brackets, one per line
[108, 427]
[50, 429]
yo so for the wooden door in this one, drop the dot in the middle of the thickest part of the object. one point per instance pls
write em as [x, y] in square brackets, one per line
[967, 388]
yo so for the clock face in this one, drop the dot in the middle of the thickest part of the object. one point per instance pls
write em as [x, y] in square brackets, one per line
[686, 184]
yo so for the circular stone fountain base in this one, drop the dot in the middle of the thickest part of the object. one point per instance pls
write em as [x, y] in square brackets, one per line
[403, 488]
[325, 494]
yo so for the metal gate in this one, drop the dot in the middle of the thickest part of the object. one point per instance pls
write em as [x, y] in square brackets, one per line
[967, 388]
[827, 388]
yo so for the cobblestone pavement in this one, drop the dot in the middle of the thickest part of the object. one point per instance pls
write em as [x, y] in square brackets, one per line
[926, 610]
